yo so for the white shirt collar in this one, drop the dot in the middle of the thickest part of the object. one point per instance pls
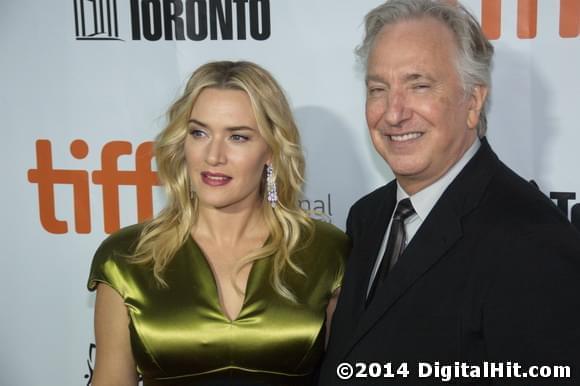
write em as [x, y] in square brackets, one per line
[424, 200]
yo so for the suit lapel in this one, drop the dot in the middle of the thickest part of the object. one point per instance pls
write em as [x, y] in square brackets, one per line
[363, 257]
[438, 233]
[427, 247]
[371, 243]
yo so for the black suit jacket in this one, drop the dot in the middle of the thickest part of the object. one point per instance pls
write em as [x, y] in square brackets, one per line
[493, 274]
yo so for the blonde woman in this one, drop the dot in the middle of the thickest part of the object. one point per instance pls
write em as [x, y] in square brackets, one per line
[231, 283]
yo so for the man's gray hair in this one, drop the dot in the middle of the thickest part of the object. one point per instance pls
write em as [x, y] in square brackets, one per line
[475, 52]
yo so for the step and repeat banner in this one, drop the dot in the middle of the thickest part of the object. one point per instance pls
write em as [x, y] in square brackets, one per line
[85, 85]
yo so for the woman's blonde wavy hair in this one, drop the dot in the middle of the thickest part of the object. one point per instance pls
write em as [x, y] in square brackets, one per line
[288, 224]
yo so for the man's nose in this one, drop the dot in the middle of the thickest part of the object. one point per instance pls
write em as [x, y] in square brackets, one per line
[215, 154]
[396, 108]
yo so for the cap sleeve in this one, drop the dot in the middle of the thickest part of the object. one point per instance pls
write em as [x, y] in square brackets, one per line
[110, 263]
[335, 247]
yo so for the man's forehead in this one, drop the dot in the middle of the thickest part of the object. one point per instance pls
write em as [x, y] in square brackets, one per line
[414, 28]
[413, 46]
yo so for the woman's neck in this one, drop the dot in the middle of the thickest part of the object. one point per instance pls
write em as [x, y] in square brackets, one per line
[226, 227]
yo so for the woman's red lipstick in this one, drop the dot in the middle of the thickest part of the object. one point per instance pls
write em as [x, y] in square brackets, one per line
[215, 179]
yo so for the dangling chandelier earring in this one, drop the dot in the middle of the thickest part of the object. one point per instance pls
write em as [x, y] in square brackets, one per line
[271, 186]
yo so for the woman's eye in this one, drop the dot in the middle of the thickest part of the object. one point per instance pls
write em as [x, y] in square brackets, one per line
[197, 133]
[238, 138]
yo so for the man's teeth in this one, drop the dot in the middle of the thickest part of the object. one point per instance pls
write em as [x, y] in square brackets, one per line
[405, 137]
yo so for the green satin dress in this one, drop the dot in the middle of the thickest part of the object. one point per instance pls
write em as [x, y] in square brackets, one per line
[180, 335]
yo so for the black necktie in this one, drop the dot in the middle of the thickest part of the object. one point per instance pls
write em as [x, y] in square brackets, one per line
[395, 244]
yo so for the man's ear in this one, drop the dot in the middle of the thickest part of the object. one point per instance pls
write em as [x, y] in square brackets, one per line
[475, 105]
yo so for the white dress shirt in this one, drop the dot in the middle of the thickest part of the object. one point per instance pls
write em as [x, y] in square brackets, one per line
[422, 201]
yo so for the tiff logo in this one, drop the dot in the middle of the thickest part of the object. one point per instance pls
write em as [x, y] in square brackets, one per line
[527, 18]
[96, 20]
[109, 177]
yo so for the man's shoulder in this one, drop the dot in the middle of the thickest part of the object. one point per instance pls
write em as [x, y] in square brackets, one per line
[514, 213]
[521, 200]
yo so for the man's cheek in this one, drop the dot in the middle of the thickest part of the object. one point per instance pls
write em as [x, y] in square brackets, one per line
[373, 114]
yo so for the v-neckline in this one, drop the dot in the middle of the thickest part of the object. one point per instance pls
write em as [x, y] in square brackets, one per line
[218, 304]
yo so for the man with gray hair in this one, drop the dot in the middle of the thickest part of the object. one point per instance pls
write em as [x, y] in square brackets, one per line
[460, 270]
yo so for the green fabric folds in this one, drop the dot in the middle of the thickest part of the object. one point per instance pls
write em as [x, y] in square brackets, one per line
[180, 335]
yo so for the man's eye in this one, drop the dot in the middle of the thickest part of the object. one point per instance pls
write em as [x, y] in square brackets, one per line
[421, 86]
[375, 90]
